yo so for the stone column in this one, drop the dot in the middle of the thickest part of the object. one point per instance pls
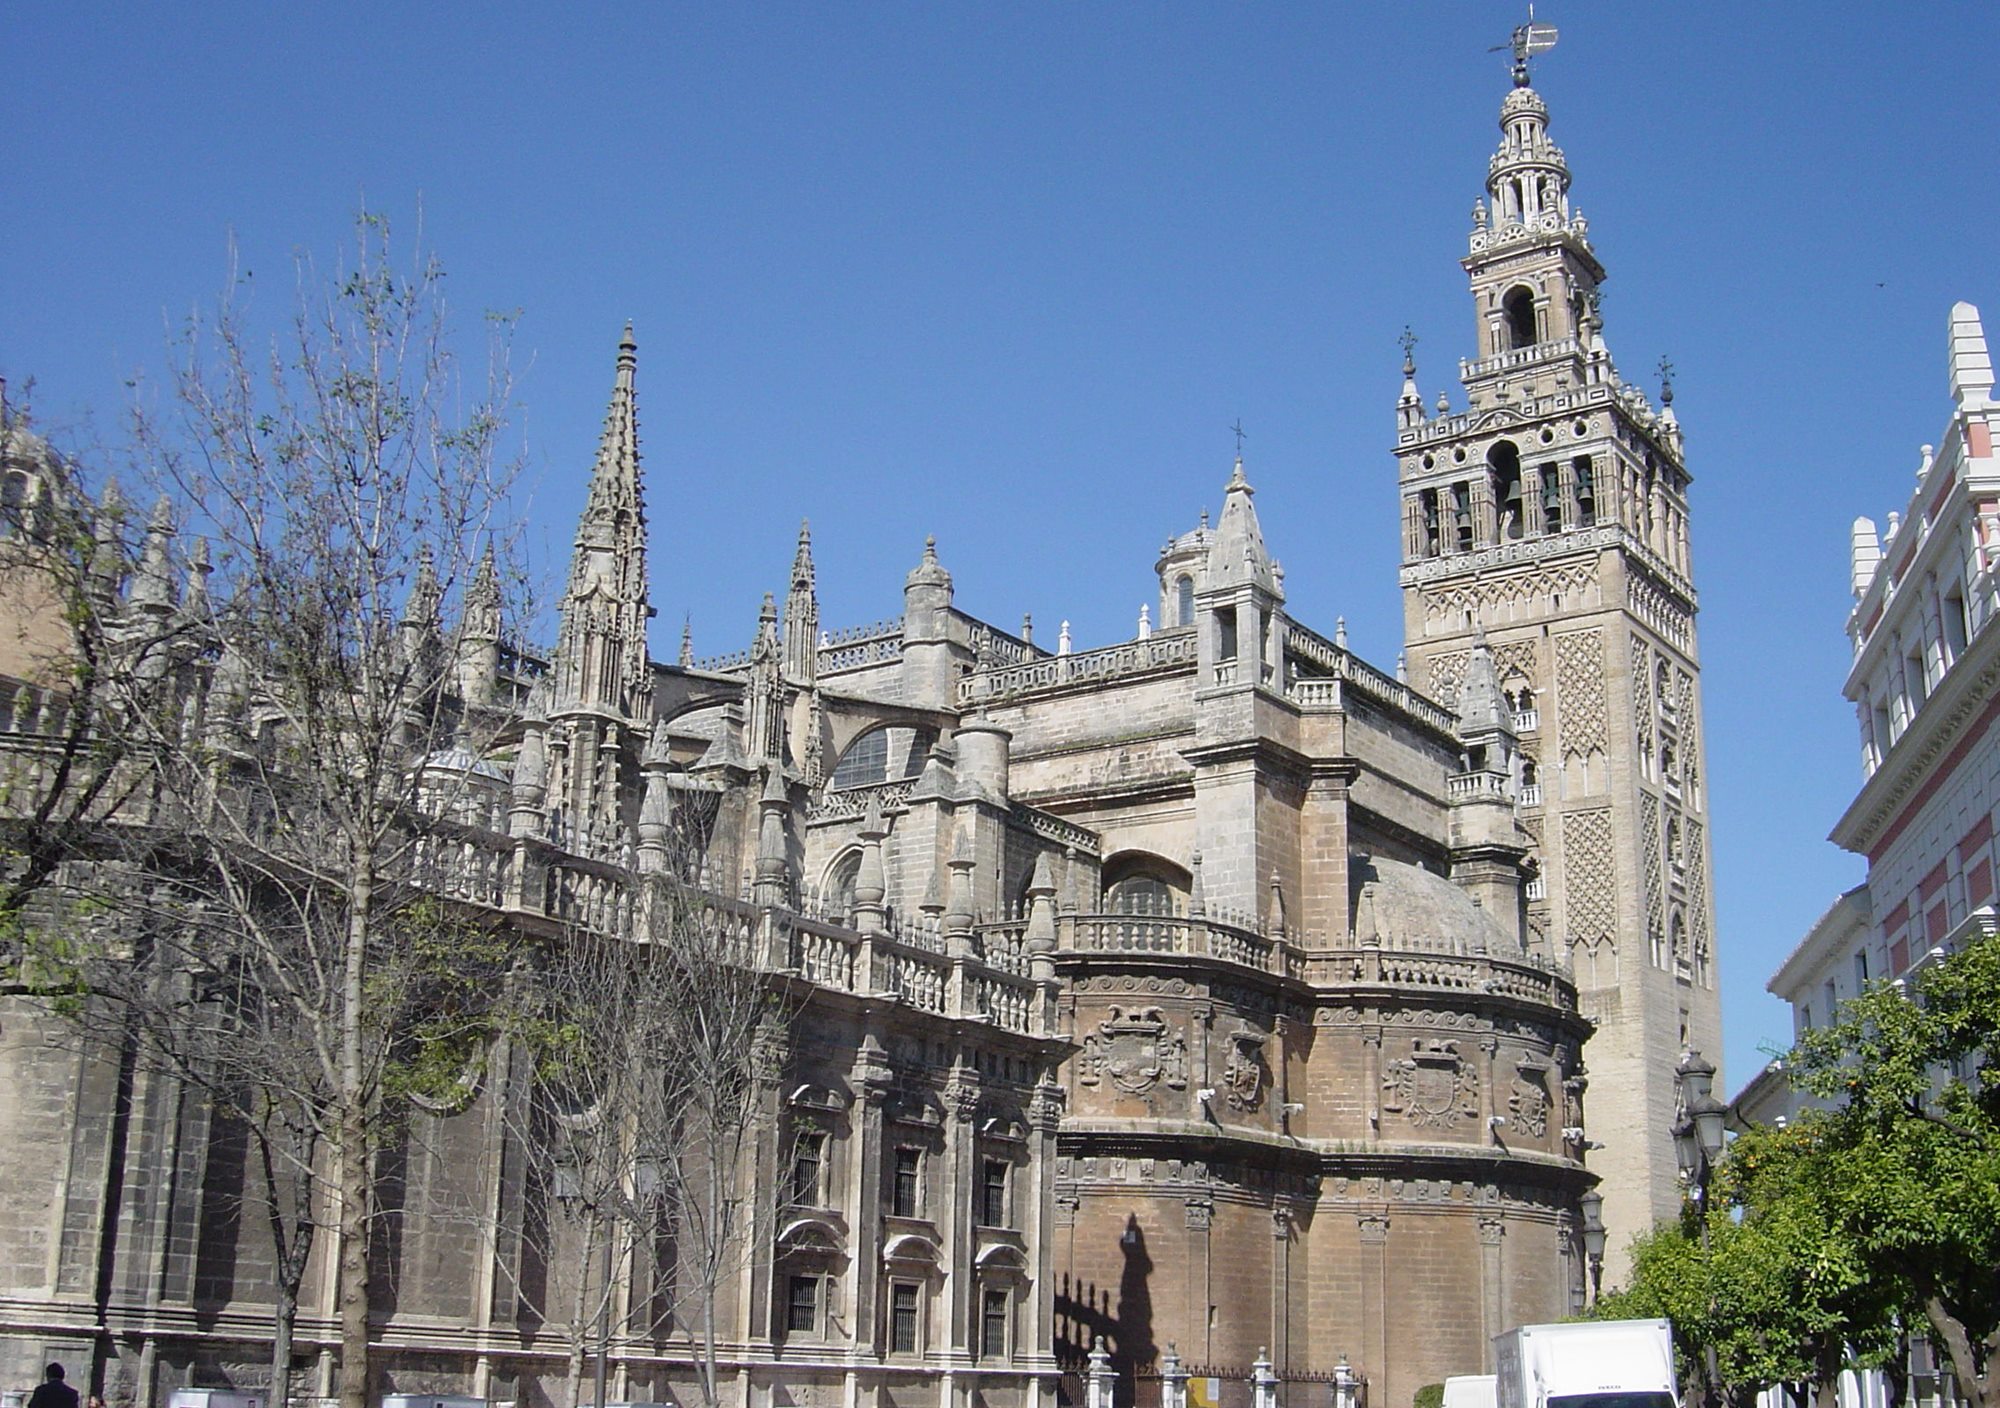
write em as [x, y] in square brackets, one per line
[958, 1220]
[1492, 1287]
[873, 1079]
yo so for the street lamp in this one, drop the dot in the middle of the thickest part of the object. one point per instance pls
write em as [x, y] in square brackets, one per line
[1592, 1204]
[1697, 1131]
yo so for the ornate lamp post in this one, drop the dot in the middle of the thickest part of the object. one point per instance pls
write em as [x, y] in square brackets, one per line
[1697, 1129]
[1592, 1204]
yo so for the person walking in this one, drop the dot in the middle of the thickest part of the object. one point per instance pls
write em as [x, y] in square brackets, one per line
[52, 1392]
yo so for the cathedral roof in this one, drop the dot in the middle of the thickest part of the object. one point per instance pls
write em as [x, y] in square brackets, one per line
[1403, 906]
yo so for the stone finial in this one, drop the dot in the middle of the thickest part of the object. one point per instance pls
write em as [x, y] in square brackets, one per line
[1340, 632]
[1402, 667]
[1027, 629]
[152, 585]
[1925, 457]
[194, 598]
[1971, 365]
[1062, 639]
[686, 660]
[1197, 901]
[1145, 621]
[1866, 555]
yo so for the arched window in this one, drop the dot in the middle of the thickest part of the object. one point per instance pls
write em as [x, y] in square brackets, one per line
[14, 492]
[882, 755]
[1140, 883]
[837, 895]
[1184, 600]
[1519, 307]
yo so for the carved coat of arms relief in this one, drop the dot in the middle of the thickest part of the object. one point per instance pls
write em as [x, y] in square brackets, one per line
[1135, 1051]
[1243, 1071]
[1433, 1086]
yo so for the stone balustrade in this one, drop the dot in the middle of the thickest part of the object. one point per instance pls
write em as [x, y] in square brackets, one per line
[1550, 351]
[1472, 786]
[1343, 666]
[1527, 977]
[1161, 651]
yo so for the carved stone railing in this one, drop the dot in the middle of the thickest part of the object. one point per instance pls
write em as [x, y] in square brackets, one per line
[1529, 977]
[30, 711]
[982, 975]
[1468, 786]
[1164, 651]
[995, 647]
[1357, 674]
[1054, 828]
[1194, 937]
[1005, 946]
[727, 664]
[853, 801]
[855, 647]
[1520, 357]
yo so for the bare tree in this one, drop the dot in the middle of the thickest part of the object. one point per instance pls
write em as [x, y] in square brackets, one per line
[289, 935]
[654, 1046]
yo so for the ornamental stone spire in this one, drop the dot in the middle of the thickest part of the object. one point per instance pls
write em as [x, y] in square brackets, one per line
[802, 614]
[600, 659]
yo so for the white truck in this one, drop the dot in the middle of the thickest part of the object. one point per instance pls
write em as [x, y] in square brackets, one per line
[1589, 1364]
[1471, 1391]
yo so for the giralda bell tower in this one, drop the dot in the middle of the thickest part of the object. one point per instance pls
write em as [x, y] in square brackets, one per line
[1550, 517]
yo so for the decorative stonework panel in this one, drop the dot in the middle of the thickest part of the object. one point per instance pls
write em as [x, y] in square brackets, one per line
[1697, 909]
[1489, 599]
[1580, 690]
[1590, 877]
[1135, 1051]
[1642, 694]
[1659, 610]
[1447, 671]
[1432, 1086]
[1649, 864]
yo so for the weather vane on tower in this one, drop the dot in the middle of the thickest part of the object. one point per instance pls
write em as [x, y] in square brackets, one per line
[1528, 40]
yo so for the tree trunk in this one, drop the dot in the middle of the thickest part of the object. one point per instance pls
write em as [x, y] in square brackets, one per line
[281, 1347]
[1826, 1373]
[352, 1154]
[579, 1312]
[351, 1234]
[1982, 1389]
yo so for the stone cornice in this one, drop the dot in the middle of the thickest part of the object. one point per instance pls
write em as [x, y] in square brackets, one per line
[1962, 696]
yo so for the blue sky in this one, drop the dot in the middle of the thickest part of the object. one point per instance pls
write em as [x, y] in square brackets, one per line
[1008, 274]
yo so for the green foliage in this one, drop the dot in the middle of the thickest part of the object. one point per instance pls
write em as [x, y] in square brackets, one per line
[1429, 1396]
[1825, 1241]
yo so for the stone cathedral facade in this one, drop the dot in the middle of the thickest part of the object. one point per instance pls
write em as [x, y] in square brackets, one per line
[1212, 989]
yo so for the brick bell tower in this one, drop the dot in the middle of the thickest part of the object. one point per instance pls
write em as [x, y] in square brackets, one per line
[1551, 515]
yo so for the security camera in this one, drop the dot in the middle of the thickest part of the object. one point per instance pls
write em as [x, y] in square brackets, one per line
[1293, 1107]
[1573, 1133]
[1495, 1121]
[1205, 1096]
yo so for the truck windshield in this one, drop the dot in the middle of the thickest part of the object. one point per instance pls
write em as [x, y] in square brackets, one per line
[1611, 1400]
